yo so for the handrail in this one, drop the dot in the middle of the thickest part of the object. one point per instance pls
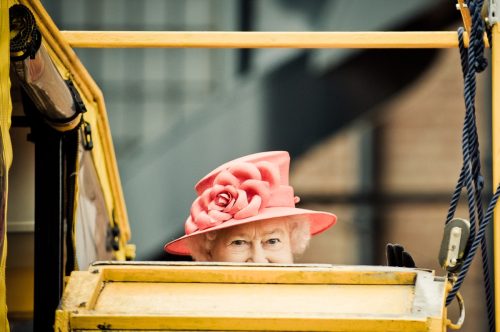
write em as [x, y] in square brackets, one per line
[271, 39]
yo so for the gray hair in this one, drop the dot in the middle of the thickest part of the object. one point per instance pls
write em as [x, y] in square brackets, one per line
[300, 234]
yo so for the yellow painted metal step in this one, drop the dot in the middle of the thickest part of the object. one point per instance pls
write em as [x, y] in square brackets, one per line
[158, 296]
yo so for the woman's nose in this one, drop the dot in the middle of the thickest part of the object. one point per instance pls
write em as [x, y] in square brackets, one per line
[258, 255]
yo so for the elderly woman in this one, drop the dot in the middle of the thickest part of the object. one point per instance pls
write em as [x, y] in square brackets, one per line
[245, 212]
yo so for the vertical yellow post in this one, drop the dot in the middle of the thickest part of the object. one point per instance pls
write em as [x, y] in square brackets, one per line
[5, 150]
[495, 65]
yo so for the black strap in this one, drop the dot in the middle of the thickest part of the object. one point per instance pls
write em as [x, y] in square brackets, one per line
[77, 101]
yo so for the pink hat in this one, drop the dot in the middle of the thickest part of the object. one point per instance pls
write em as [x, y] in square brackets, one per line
[250, 188]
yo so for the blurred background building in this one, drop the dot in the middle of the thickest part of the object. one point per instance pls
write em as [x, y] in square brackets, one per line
[374, 135]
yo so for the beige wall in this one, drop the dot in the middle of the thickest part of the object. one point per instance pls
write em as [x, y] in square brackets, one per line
[419, 137]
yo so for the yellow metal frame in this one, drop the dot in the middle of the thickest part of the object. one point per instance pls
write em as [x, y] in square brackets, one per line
[445, 39]
[202, 296]
[232, 39]
[6, 151]
[61, 43]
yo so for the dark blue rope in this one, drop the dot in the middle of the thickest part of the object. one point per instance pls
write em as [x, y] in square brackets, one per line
[473, 62]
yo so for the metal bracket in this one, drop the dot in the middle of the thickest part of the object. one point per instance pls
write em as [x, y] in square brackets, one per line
[455, 237]
[88, 143]
[493, 12]
[464, 11]
[489, 13]
[113, 238]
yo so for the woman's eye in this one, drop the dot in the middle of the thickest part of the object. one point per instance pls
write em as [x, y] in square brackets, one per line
[238, 243]
[273, 241]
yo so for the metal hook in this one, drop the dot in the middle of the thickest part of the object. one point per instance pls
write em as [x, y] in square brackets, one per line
[461, 319]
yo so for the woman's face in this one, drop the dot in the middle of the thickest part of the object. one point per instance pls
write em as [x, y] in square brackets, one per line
[258, 242]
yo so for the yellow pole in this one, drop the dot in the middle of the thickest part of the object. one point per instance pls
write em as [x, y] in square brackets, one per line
[495, 65]
[238, 39]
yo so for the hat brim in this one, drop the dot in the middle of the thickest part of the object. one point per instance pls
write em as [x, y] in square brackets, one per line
[319, 222]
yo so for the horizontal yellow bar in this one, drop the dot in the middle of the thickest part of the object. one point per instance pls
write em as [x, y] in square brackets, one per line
[375, 323]
[233, 39]
[283, 275]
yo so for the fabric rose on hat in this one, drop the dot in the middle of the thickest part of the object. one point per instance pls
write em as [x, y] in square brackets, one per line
[239, 192]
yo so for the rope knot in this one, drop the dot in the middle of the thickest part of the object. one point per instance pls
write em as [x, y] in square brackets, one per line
[480, 182]
[480, 64]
